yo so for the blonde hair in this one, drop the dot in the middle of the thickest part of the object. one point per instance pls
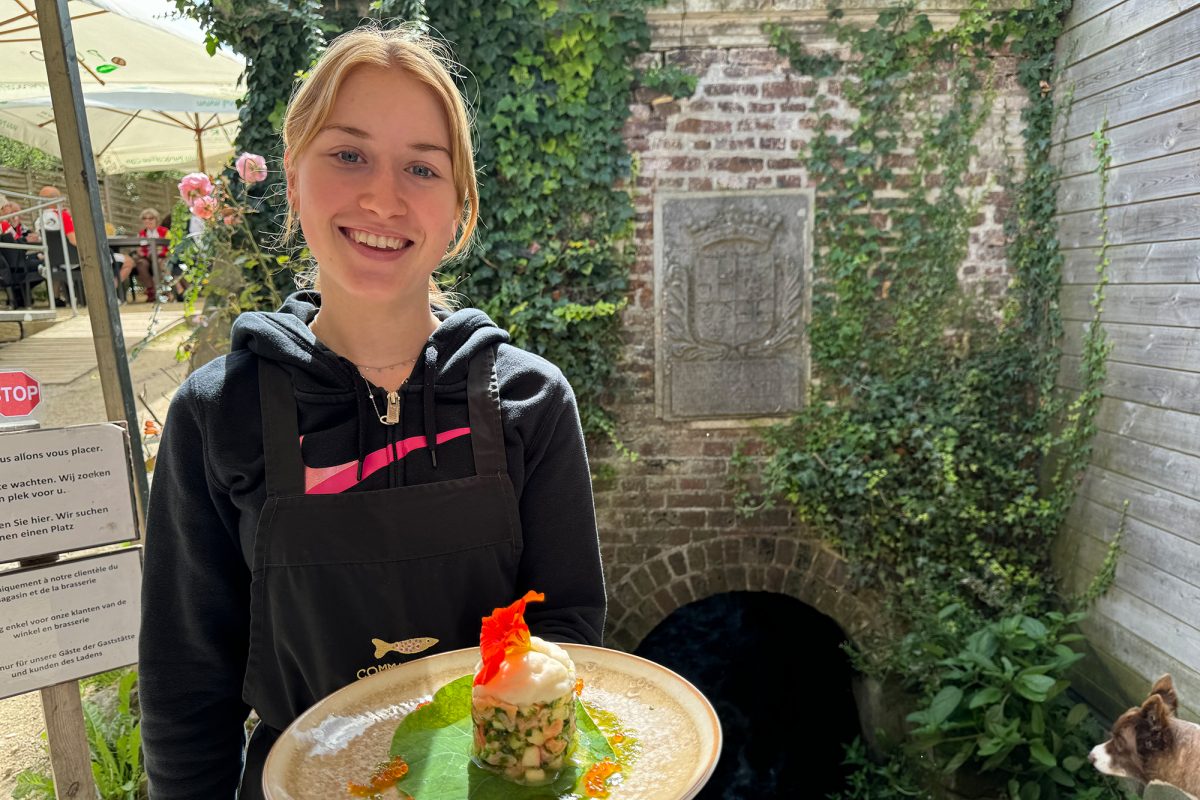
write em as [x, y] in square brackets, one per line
[408, 49]
[148, 211]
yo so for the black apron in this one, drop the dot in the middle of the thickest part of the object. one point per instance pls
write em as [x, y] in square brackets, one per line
[332, 572]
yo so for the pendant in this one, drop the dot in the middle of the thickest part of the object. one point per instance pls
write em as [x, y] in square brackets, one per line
[393, 409]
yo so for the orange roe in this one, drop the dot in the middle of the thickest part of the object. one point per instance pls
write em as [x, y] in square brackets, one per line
[595, 782]
[386, 774]
[423, 704]
[579, 686]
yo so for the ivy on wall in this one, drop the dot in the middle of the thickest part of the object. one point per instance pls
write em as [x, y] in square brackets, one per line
[935, 452]
[551, 83]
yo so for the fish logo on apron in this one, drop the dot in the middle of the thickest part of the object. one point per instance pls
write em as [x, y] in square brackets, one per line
[404, 647]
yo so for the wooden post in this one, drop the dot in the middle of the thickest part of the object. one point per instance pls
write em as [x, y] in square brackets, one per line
[66, 733]
[70, 757]
[62, 71]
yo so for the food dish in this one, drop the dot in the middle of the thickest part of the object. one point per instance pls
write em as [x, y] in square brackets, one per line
[524, 728]
[348, 733]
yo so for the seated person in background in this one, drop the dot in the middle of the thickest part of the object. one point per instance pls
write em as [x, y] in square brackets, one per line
[50, 223]
[118, 259]
[11, 224]
[51, 220]
[18, 268]
[141, 262]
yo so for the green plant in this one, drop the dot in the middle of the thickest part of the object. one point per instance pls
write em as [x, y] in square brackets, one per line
[33, 785]
[17, 155]
[115, 740]
[935, 451]
[670, 81]
[999, 704]
[802, 61]
[114, 735]
[552, 83]
[225, 269]
[892, 779]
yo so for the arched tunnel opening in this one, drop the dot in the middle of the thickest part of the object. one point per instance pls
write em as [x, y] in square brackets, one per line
[774, 670]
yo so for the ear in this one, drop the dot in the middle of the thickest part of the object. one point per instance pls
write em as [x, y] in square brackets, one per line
[1164, 688]
[1154, 732]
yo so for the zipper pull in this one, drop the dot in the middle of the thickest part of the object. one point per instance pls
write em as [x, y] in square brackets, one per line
[393, 409]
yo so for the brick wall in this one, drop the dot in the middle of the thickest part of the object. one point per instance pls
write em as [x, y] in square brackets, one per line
[669, 534]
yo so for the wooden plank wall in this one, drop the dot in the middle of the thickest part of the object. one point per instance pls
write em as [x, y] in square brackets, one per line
[122, 197]
[1136, 63]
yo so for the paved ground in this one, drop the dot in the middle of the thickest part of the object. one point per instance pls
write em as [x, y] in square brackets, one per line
[63, 358]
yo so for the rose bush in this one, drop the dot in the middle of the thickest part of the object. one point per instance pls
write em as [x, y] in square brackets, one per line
[227, 271]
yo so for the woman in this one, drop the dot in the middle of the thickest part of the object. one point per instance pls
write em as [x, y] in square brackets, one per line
[365, 464]
[18, 268]
[151, 228]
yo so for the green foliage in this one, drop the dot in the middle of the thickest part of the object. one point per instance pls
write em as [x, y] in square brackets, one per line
[935, 451]
[16, 155]
[435, 742]
[817, 66]
[998, 705]
[279, 38]
[920, 451]
[114, 735]
[33, 785]
[671, 81]
[551, 83]
[891, 780]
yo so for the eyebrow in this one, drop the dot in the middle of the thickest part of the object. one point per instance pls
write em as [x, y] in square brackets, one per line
[361, 134]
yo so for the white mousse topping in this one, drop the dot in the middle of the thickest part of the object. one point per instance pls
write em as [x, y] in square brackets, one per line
[539, 675]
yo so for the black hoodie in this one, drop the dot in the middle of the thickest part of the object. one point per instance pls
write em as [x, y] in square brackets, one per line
[209, 489]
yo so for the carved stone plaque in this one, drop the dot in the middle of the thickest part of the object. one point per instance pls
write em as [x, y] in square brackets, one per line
[731, 298]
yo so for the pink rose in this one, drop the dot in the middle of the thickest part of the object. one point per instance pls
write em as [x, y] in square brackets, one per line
[204, 207]
[194, 186]
[230, 216]
[252, 168]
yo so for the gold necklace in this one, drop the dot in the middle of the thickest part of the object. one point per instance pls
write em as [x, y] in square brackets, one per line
[392, 417]
[412, 360]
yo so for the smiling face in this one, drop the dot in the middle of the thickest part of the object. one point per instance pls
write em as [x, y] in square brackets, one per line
[374, 189]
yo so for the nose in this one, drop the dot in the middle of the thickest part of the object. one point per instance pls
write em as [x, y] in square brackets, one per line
[383, 192]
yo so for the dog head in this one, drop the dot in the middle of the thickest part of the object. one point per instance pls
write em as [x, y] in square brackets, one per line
[1144, 739]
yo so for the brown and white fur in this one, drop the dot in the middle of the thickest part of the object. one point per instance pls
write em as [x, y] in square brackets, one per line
[1149, 743]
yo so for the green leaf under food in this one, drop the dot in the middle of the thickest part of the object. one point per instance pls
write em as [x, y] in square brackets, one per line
[435, 742]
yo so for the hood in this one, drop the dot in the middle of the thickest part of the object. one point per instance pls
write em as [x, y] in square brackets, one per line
[284, 337]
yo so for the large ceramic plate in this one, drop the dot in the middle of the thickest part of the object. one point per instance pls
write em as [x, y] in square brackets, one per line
[345, 735]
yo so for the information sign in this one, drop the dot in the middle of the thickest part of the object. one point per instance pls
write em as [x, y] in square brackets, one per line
[69, 619]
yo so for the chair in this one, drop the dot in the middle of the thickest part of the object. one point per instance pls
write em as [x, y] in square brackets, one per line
[18, 273]
[60, 261]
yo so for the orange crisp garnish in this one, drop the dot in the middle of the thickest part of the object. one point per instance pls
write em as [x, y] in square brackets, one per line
[595, 782]
[386, 775]
[504, 632]
[579, 686]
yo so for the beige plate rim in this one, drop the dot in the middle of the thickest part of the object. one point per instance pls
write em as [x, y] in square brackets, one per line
[616, 662]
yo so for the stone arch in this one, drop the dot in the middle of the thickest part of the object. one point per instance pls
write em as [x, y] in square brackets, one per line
[800, 568]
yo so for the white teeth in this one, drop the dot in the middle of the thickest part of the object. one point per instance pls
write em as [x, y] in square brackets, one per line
[378, 242]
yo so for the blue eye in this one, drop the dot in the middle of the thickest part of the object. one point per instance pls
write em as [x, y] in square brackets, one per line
[348, 157]
[421, 171]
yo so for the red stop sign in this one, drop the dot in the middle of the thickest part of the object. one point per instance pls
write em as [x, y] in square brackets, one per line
[20, 394]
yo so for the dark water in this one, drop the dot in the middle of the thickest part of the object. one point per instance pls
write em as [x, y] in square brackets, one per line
[773, 669]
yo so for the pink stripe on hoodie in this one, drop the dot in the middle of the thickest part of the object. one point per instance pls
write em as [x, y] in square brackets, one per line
[332, 480]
